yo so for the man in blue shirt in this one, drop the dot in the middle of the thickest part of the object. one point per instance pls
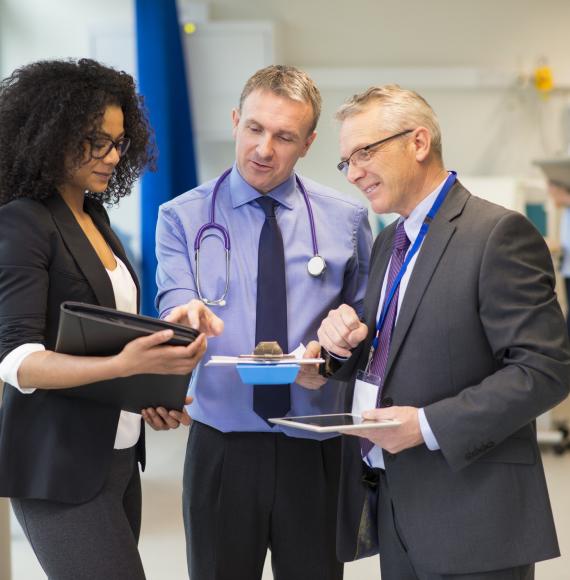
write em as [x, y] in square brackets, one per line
[249, 485]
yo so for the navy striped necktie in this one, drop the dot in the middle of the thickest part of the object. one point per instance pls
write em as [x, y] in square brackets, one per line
[271, 312]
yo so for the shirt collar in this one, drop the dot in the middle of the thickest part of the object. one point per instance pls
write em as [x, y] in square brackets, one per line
[241, 191]
[413, 223]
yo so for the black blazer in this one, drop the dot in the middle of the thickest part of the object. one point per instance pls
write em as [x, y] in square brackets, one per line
[52, 447]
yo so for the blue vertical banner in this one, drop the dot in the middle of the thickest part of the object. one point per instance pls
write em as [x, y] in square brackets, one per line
[162, 82]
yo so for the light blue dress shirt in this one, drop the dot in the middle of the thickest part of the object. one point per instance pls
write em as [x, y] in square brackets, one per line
[412, 225]
[344, 239]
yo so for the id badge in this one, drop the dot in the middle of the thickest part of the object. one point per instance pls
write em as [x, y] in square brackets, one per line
[365, 392]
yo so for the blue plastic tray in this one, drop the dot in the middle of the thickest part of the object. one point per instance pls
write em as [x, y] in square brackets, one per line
[267, 374]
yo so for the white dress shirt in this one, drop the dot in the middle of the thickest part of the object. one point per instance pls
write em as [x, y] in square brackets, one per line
[412, 225]
[129, 426]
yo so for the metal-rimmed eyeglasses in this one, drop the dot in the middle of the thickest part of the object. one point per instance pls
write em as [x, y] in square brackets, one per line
[100, 147]
[364, 154]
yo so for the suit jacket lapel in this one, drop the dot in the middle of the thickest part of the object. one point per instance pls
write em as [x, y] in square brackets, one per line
[379, 264]
[82, 251]
[376, 277]
[433, 248]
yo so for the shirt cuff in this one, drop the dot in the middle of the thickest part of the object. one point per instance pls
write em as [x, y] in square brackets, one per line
[427, 433]
[11, 364]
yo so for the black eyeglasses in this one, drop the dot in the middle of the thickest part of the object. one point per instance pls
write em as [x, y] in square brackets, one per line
[100, 147]
[364, 154]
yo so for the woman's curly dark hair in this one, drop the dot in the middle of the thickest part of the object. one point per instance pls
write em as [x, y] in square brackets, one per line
[48, 108]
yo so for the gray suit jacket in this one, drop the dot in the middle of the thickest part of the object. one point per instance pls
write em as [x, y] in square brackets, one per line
[481, 344]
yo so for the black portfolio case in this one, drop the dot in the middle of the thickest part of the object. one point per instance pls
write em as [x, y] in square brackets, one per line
[89, 330]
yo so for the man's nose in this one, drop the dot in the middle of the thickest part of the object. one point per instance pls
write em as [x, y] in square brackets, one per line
[265, 148]
[354, 173]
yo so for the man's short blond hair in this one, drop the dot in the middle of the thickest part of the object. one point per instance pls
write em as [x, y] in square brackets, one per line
[285, 81]
[402, 109]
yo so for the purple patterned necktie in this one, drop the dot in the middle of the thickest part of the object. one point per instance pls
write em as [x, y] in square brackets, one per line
[400, 246]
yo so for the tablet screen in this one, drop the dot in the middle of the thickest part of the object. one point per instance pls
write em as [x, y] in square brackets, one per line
[330, 423]
[327, 420]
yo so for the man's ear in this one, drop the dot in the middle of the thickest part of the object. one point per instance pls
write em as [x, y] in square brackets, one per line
[308, 143]
[235, 121]
[422, 143]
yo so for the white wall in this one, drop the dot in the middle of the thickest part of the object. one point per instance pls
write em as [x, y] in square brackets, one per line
[35, 29]
[412, 32]
[490, 129]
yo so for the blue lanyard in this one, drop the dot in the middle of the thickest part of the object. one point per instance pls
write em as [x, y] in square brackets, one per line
[422, 234]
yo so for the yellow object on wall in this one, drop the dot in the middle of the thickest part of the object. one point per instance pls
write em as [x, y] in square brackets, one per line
[189, 28]
[543, 79]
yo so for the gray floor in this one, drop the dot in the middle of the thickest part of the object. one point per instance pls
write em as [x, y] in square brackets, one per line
[162, 542]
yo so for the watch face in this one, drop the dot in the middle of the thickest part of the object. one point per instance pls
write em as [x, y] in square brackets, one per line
[316, 266]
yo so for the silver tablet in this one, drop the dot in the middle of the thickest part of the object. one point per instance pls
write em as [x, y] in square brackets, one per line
[332, 423]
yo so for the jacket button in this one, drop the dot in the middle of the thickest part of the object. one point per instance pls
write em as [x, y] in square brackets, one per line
[386, 402]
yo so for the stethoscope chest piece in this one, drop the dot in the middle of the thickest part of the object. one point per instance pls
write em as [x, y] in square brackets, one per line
[316, 266]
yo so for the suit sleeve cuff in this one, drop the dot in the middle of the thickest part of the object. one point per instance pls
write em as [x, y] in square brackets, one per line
[331, 365]
[11, 364]
[427, 433]
[336, 356]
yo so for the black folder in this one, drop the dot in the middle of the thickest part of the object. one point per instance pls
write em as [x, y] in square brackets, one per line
[90, 330]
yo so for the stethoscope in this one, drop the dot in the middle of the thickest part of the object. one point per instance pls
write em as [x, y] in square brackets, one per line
[315, 266]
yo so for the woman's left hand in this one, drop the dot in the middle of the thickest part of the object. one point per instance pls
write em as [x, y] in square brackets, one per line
[162, 420]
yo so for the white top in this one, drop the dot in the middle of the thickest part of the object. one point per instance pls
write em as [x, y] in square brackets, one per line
[129, 427]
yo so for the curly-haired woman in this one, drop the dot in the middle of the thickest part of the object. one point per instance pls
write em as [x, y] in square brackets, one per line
[73, 135]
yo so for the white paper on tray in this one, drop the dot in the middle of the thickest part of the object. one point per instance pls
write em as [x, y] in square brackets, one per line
[220, 360]
[216, 361]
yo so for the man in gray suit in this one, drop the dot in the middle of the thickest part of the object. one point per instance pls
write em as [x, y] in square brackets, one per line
[471, 349]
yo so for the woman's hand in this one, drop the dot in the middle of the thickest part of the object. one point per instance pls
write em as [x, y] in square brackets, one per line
[151, 355]
[162, 420]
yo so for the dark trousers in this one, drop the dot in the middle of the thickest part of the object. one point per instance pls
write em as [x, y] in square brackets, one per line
[95, 540]
[395, 561]
[247, 492]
